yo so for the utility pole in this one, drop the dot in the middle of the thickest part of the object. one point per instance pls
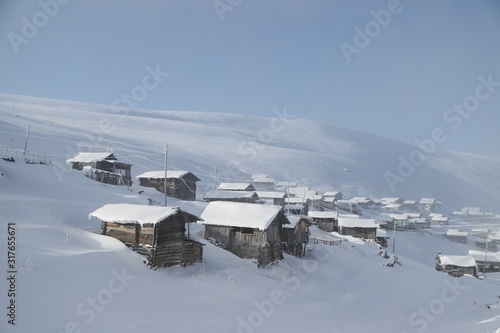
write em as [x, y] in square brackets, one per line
[165, 179]
[394, 238]
[27, 136]
[486, 253]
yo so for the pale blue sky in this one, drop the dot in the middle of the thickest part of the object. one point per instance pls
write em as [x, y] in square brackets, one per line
[270, 54]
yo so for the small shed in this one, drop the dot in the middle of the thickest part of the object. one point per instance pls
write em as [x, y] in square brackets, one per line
[381, 237]
[247, 230]
[439, 219]
[457, 236]
[232, 196]
[295, 236]
[456, 265]
[324, 220]
[358, 227]
[156, 232]
[103, 167]
[180, 184]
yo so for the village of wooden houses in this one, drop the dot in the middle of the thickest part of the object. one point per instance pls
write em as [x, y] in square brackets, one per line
[262, 219]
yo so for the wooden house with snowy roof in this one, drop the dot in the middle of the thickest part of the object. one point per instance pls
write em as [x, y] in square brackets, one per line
[486, 261]
[324, 220]
[358, 227]
[247, 230]
[158, 233]
[103, 167]
[180, 184]
[456, 265]
[263, 182]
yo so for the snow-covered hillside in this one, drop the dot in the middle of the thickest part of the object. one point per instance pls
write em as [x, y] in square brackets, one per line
[234, 147]
[71, 279]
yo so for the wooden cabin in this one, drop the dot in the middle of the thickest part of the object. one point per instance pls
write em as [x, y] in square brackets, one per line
[456, 265]
[247, 230]
[180, 184]
[231, 196]
[381, 237]
[324, 220]
[438, 218]
[492, 260]
[156, 232]
[457, 236]
[272, 198]
[102, 167]
[263, 182]
[358, 227]
[295, 236]
[430, 204]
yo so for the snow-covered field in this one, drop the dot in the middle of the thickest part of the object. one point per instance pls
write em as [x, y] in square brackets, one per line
[70, 279]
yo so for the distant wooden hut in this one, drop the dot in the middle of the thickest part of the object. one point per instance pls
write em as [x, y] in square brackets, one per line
[156, 232]
[490, 259]
[247, 230]
[103, 167]
[358, 227]
[295, 236]
[236, 187]
[272, 198]
[263, 182]
[456, 265]
[180, 184]
[332, 196]
[381, 237]
[231, 196]
[457, 236]
[324, 220]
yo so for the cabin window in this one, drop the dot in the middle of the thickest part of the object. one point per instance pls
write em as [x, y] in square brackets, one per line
[236, 229]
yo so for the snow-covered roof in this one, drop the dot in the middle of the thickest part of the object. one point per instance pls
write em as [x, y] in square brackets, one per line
[356, 222]
[161, 174]
[399, 217]
[428, 201]
[271, 194]
[235, 214]
[409, 202]
[236, 187]
[222, 194]
[453, 232]
[131, 213]
[461, 261]
[90, 157]
[387, 201]
[480, 255]
[322, 214]
[331, 194]
[285, 184]
[439, 218]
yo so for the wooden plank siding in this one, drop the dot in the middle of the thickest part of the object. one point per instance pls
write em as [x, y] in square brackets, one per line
[163, 243]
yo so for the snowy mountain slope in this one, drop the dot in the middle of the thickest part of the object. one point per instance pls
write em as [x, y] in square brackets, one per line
[71, 279]
[322, 156]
